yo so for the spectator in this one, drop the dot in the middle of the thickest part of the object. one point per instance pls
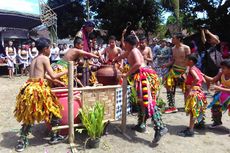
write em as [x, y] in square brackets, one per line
[33, 52]
[212, 57]
[11, 58]
[154, 47]
[61, 50]
[2, 54]
[54, 53]
[193, 47]
[23, 54]
[225, 50]
[84, 33]
[65, 47]
[162, 56]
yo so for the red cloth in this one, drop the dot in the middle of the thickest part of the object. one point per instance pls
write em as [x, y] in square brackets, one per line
[190, 78]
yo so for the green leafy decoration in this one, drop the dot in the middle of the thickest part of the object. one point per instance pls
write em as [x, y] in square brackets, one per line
[92, 118]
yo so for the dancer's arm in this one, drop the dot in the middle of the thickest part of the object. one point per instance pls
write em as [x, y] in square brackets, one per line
[122, 56]
[219, 88]
[50, 71]
[213, 79]
[84, 53]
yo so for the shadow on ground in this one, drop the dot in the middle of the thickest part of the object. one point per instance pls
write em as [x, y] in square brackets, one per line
[39, 137]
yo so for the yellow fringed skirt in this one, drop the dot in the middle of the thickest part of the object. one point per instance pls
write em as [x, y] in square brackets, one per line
[61, 66]
[35, 102]
[195, 102]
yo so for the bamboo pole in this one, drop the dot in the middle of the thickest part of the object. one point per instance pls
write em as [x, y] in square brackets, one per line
[75, 125]
[70, 102]
[86, 88]
[124, 105]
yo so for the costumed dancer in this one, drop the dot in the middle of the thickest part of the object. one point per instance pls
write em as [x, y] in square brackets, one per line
[11, 58]
[195, 100]
[33, 52]
[221, 99]
[72, 54]
[146, 85]
[35, 101]
[23, 58]
[145, 51]
[111, 52]
[178, 67]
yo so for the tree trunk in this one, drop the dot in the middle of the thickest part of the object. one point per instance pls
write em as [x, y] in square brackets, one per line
[176, 5]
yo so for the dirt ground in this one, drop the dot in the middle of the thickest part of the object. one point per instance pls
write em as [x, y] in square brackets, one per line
[204, 141]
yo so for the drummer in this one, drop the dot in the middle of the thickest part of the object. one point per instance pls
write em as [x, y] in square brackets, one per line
[111, 52]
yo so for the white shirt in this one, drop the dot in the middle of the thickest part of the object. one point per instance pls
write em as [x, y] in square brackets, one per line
[54, 53]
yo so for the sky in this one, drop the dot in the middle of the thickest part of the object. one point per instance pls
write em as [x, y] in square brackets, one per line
[24, 6]
[32, 7]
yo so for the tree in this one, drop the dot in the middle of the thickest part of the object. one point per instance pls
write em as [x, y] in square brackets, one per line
[70, 14]
[174, 6]
[113, 14]
[218, 16]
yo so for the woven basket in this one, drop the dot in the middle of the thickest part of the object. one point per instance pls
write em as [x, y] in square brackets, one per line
[107, 97]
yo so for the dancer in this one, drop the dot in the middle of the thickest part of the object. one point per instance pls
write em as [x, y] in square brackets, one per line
[221, 99]
[71, 55]
[174, 77]
[145, 51]
[35, 101]
[195, 100]
[112, 51]
[147, 84]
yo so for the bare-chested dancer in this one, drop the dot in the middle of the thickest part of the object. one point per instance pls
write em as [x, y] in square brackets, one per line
[35, 101]
[112, 51]
[146, 82]
[174, 77]
[145, 51]
[71, 55]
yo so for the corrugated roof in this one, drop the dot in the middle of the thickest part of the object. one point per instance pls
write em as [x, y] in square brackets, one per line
[15, 19]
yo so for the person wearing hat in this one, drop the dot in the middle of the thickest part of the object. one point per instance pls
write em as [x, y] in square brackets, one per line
[87, 28]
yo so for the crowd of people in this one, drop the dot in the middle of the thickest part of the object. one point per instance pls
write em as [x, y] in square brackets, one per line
[20, 57]
[171, 63]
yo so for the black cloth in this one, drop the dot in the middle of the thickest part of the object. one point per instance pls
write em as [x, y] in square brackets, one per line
[211, 61]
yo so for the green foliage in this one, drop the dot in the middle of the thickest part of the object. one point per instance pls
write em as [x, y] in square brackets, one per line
[114, 14]
[133, 95]
[92, 119]
[161, 104]
[70, 16]
[217, 16]
[185, 20]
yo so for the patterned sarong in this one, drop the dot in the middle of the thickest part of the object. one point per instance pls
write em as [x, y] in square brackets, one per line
[173, 76]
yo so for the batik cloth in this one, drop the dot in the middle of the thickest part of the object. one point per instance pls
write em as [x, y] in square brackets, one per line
[173, 78]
